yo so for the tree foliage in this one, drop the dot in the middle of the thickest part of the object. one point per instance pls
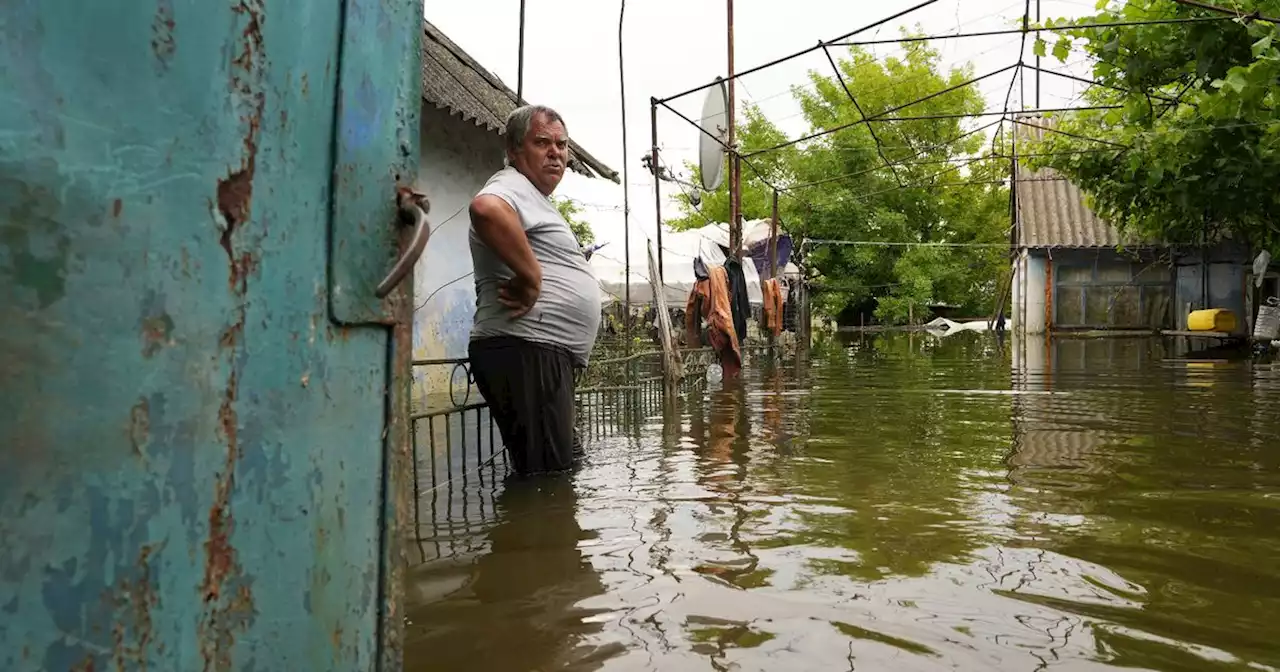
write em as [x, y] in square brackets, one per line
[1194, 145]
[860, 199]
[572, 212]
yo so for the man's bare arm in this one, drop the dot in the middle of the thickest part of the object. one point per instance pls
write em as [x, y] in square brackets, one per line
[498, 226]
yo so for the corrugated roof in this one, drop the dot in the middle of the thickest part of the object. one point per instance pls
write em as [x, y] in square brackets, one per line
[1051, 209]
[453, 81]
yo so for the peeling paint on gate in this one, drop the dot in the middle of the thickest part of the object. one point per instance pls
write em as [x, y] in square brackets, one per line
[194, 480]
[163, 43]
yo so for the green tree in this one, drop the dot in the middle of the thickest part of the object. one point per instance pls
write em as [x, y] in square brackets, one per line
[923, 200]
[572, 212]
[1193, 148]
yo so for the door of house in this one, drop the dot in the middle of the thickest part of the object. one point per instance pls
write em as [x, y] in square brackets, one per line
[201, 433]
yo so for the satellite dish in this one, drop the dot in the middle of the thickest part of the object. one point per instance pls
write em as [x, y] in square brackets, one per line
[715, 123]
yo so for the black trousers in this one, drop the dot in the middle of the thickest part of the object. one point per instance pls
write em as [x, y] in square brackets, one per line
[529, 388]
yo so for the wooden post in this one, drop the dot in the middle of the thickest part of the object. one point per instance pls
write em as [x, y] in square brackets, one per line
[671, 367]
[735, 168]
[657, 177]
[804, 317]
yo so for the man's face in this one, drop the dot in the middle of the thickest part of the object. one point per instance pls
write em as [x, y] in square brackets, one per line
[543, 154]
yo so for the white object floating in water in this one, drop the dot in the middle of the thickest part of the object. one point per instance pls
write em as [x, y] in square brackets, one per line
[946, 327]
[715, 373]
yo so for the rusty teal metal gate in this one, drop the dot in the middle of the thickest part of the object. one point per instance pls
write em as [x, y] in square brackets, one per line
[202, 396]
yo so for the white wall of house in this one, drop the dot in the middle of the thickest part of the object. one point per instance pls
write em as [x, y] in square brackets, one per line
[456, 158]
[1030, 357]
[1028, 293]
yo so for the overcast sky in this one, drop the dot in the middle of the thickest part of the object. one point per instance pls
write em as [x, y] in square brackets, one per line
[571, 64]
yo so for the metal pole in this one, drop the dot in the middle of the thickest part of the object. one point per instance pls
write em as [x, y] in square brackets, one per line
[520, 65]
[1021, 73]
[735, 186]
[626, 198]
[657, 188]
[1015, 233]
[773, 262]
[1037, 58]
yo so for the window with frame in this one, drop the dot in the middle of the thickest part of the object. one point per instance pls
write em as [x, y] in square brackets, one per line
[1112, 294]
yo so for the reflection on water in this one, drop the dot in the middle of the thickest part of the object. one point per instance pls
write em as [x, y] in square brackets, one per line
[901, 503]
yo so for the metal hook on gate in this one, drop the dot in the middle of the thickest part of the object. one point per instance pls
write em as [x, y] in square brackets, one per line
[412, 209]
[1273, 301]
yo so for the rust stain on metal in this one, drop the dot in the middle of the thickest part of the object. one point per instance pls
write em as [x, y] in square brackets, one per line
[229, 603]
[156, 332]
[234, 196]
[306, 85]
[221, 563]
[144, 598]
[162, 42]
[243, 266]
[338, 333]
[117, 207]
[235, 192]
[219, 555]
[134, 601]
[400, 452]
[231, 335]
[140, 426]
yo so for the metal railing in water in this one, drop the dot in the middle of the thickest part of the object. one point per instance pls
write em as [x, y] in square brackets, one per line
[464, 449]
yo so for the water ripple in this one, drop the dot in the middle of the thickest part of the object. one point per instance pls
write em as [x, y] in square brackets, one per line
[895, 503]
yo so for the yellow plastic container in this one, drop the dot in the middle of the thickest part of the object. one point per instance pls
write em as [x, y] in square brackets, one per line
[1212, 319]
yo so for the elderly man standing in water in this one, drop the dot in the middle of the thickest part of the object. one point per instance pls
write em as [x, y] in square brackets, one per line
[537, 300]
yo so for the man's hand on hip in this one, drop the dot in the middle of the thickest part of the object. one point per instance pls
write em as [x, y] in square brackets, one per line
[519, 296]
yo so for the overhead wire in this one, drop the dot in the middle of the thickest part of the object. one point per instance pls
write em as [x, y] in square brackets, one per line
[1018, 75]
[887, 243]
[811, 84]
[1024, 31]
[1036, 29]
[881, 115]
[802, 52]
[919, 153]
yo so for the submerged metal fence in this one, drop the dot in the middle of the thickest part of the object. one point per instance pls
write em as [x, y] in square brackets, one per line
[458, 457]
[459, 461]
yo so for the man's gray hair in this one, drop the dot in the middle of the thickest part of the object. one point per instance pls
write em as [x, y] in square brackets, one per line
[521, 118]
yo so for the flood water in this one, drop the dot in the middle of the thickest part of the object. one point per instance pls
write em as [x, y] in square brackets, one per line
[894, 503]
